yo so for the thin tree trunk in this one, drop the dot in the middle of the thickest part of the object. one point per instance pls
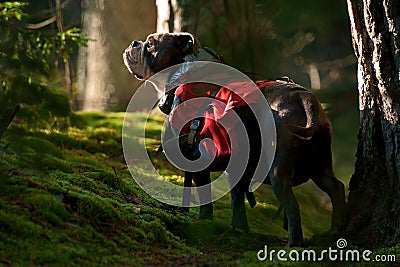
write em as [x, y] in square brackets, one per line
[169, 18]
[374, 199]
[68, 72]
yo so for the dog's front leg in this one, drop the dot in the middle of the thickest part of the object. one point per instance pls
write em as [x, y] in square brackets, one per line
[239, 216]
[201, 179]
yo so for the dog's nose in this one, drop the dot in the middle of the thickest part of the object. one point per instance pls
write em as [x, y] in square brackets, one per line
[134, 44]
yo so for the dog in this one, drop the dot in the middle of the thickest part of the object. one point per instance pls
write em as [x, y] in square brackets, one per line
[303, 130]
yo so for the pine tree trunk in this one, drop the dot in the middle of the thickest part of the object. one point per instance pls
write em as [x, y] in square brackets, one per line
[374, 198]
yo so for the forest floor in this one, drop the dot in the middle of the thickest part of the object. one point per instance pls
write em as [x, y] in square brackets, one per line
[67, 198]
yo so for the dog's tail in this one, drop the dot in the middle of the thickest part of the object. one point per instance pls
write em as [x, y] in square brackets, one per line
[304, 133]
[312, 109]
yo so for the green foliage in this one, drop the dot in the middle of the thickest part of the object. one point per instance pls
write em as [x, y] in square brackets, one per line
[27, 58]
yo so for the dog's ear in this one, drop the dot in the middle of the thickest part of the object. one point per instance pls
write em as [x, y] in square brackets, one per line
[188, 44]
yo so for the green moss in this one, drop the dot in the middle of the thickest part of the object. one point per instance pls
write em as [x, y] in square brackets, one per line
[67, 199]
[47, 207]
[18, 225]
[43, 146]
[157, 232]
[62, 203]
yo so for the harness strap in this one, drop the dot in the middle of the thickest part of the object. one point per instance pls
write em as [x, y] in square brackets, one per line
[196, 122]
[193, 130]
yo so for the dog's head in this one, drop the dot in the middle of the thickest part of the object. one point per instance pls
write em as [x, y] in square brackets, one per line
[159, 51]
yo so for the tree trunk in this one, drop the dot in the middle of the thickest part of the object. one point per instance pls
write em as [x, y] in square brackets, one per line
[169, 17]
[111, 25]
[374, 198]
[94, 72]
[68, 70]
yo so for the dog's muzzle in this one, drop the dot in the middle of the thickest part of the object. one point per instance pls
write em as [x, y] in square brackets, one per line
[131, 59]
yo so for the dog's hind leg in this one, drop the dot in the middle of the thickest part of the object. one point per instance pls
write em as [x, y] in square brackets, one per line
[203, 178]
[328, 183]
[282, 186]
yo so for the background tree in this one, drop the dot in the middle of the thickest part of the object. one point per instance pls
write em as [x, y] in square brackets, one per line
[374, 199]
[103, 83]
[269, 39]
[169, 16]
[29, 52]
[95, 75]
[263, 38]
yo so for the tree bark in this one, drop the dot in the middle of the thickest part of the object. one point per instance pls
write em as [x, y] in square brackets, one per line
[94, 73]
[374, 197]
[111, 25]
[169, 17]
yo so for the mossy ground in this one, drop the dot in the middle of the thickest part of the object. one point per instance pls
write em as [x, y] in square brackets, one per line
[68, 199]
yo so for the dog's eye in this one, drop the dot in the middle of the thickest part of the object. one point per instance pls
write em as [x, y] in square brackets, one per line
[150, 43]
[150, 46]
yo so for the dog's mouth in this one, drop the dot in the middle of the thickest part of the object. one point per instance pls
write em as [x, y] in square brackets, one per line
[131, 62]
[139, 77]
[127, 60]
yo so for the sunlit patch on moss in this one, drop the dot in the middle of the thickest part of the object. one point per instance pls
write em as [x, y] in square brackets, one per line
[175, 179]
